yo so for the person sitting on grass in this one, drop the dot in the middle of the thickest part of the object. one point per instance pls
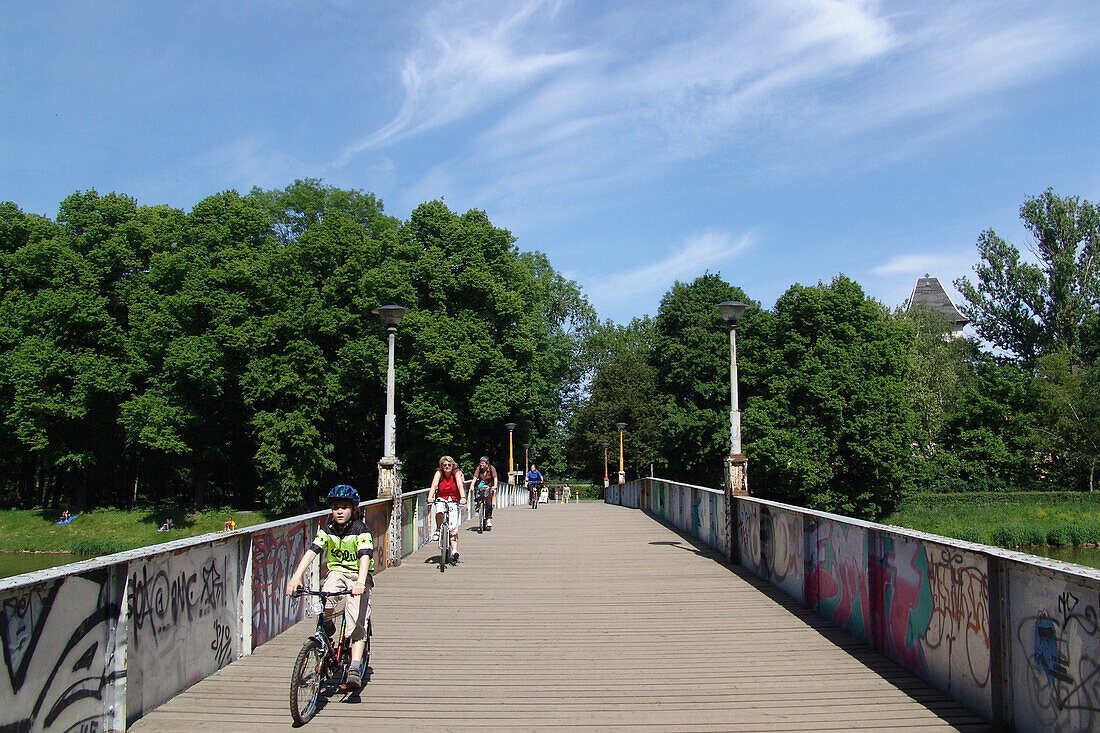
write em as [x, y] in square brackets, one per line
[350, 560]
[167, 526]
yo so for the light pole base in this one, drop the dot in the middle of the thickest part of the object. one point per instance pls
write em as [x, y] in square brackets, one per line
[389, 487]
[389, 477]
[737, 474]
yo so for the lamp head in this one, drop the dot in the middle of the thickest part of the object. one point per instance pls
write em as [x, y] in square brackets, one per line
[510, 425]
[391, 315]
[621, 426]
[732, 310]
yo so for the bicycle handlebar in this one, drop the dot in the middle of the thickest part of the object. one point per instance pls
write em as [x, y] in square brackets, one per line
[319, 593]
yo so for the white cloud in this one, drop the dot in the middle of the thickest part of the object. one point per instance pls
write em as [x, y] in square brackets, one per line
[700, 252]
[916, 265]
[251, 160]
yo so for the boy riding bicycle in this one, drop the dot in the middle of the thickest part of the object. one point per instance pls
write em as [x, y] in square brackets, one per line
[350, 560]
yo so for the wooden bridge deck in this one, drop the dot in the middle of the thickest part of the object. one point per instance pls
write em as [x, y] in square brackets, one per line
[577, 617]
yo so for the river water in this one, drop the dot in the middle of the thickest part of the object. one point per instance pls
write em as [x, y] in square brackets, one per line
[14, 563]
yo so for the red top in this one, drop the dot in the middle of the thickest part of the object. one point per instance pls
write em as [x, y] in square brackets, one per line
[447, 488]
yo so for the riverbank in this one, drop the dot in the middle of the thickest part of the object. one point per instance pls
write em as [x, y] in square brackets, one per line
[1017, 520]
[103, 531]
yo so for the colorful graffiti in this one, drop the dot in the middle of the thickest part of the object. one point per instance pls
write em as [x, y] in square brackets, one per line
[58, 647]
[275, 556]
[935, 615]
[748, 534]
[836, 582]
[180, 606]
[377, 518]
[784, 552]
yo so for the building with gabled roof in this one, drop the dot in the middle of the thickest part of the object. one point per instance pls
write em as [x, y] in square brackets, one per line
[929, 293]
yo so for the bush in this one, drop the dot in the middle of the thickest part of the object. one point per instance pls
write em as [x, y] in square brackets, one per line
[96, 547]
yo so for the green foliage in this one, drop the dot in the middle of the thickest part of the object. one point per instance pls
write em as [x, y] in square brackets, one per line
[828, 423]
[692, 361]
[1029, 309]
[622, 388]
[1006, 519]
[230, 352]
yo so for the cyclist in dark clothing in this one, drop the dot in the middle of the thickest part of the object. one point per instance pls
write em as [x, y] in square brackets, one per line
[485, 487]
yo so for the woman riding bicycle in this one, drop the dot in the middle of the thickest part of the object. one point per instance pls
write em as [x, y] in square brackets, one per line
[534, 483]
[484, 484]
[447, 486]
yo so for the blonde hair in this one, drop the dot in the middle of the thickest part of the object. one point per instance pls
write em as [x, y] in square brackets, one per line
[447, 459]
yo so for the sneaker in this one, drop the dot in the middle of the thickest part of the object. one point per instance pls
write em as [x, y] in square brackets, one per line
[454, 558]
[488, 524]
[435, 536]
[355, 680]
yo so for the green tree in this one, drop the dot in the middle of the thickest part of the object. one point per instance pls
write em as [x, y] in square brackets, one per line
[828, 424]
[1029, 309]
[622, 387]
[692, 360]
[1069, 423]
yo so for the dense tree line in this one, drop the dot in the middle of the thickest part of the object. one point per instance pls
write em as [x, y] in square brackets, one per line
[848, 406]
[228, 353]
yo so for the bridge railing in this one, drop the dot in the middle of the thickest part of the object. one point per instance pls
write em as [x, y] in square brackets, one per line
[94, 645]
[1012, 636]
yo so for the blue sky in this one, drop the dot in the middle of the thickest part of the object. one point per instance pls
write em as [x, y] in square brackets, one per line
[635, 143]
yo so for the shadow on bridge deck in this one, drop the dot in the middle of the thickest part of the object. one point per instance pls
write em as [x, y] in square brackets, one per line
[583, 616]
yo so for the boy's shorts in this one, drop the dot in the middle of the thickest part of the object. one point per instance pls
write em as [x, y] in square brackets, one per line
[356, 608]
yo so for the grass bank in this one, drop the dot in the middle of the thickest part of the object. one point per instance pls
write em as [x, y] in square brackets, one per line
[1005, 519]
[103, 531]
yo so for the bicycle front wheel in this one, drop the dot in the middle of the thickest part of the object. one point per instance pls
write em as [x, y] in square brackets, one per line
[444, 545]
[305, 682]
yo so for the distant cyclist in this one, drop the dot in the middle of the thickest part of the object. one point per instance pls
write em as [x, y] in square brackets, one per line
[447, 485]
[534, 483]
[484, 485]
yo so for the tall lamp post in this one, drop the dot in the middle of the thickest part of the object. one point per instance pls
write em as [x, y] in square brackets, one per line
[511, 466]
[736, 465]
[389, 468]
[622, 473]
[526, 457]
[606, 479]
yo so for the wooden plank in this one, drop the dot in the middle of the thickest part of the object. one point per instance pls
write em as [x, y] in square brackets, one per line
[583, 616]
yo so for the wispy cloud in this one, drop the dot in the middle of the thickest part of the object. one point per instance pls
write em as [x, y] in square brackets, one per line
[918, 264]
[463, 65]
[559, 94]
[252, 160]
[698, 253]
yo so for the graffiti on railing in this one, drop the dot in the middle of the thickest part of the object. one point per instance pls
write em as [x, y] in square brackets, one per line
[179, 605]
[275, 556]
[1057, 638]
[836, 586]
[69, 686]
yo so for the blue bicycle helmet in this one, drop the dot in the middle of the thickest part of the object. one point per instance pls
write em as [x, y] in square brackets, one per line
[345, 492]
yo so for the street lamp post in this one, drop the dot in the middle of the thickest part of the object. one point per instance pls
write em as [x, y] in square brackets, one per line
[606, 478]
[511, 466]
[389, 468]
[622, 473]
[737, 464]
[526, 457]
